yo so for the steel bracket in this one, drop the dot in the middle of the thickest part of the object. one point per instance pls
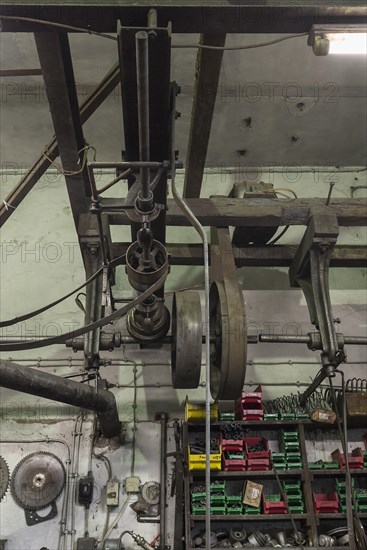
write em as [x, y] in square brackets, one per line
[310, 272]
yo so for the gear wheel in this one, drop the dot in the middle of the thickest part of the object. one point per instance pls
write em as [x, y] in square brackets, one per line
[4, 477]
[37, 480]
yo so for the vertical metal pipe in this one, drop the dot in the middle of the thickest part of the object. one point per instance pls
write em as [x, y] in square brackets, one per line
[163, 479]
[142, 76]
[152, 18]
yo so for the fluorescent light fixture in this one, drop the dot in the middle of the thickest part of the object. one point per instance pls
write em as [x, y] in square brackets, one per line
[338, 39]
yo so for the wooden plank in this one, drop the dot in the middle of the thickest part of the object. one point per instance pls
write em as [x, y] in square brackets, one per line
[266, 256]
[208, 65]
[222, 211]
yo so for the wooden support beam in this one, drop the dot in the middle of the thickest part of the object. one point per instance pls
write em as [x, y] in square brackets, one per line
[186, 16]
[208, 65]
[252, 256]
[222, 211]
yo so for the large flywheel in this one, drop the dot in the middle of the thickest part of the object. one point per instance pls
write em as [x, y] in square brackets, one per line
[228, 340]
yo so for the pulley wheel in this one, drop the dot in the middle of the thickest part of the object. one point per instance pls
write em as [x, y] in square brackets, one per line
[228, 340]
[186, 344]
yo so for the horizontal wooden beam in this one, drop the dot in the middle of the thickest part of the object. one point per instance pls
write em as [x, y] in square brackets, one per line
[222, 211]
[265, 256]
[187, 16]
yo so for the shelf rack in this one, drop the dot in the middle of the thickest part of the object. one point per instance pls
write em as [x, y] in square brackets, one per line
[309, 519]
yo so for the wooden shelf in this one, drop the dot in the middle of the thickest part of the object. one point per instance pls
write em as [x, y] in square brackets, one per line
[338, 473]
[255, 423]
[338, 516]
[244, 517]
[247, 474]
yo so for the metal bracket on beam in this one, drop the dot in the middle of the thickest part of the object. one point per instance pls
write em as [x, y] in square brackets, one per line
[310, 271]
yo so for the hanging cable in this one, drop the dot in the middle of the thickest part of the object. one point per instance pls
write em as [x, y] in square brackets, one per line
[179, 46]
[114, 263]
[243, 47]
[343, 435]
[59, 25]
[202, 233]
[87, 328]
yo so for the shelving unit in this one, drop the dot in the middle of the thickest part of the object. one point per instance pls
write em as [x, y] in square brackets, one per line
[309, 520]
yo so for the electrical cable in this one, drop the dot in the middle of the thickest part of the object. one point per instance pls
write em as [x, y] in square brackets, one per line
[284, 496]
[115, 522]
[83, 163]
[135, 370]
[202, 233]
[89, 327]
[276, 239]
[59, 25]
[279, 191]
[178, 46]
[245, 47]
[114, 263]
[343, 435]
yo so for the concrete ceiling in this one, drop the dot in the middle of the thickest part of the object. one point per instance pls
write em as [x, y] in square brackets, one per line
[278, 105]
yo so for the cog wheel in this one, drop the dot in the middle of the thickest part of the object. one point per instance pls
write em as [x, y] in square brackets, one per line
[4, 477]
[37, 480]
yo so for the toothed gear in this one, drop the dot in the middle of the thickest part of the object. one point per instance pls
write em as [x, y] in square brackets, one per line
[4, 477]
[37, 480]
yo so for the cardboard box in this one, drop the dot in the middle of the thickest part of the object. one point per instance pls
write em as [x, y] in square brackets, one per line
[252, 494]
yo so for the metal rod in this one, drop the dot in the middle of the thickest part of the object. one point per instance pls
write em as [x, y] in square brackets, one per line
[142, 77]
[125, 340]
[56, 388]
[306, 339]
[20, 72]
[120, 177]
[133, 164]
[163, 417]
[313, 386]
[330, 191]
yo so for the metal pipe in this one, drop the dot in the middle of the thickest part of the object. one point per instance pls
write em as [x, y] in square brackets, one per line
[142, 78]
[306, 339]
[152, 18]
[49, 386]
[124, 164]
[163, 417]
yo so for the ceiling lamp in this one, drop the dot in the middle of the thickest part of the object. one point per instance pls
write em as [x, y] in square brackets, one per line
[338, 39]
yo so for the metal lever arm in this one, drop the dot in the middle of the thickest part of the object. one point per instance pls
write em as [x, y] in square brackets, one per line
[310, 271]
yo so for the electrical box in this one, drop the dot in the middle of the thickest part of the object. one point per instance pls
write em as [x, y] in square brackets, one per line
[132, 484]
[85, 490]
[113, 492]
[86, 543]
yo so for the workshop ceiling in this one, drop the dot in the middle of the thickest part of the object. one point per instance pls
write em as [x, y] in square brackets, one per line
[279, 105]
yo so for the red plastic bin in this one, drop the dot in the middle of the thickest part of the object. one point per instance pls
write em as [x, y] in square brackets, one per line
[233, 464]
[326, 504]
[249, 441]
[252, 397]
[232, 444]
[270, 507]
[355, 459]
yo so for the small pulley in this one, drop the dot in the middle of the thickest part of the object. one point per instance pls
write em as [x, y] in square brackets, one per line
[186, 344]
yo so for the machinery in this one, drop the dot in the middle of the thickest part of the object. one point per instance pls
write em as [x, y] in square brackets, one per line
[36, 483]
[143, 46]
[4, 477]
